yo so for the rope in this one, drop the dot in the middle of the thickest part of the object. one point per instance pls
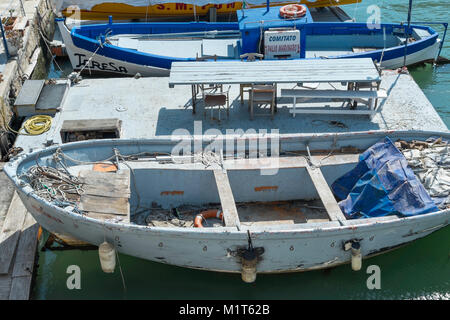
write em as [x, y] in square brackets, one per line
[35, 125]
[89, 61]
[47, 42]
[62, 154]
[54, 185]
[121, 273]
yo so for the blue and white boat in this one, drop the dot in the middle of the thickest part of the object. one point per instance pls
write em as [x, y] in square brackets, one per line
[150, 48]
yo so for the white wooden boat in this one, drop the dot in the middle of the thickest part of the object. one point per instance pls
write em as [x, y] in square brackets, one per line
[279, 214]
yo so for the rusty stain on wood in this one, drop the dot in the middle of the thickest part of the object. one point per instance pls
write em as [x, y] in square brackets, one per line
[104, 167]
[266, 188]
[172, 193]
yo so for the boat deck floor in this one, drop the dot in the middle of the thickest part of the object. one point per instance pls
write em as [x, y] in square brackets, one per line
[250, 214]
[180, 48]
[190, 48]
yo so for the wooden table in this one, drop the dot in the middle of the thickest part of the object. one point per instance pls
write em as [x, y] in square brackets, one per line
[350, 71]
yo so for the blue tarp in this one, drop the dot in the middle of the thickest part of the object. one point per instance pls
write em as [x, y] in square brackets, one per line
[382, 184]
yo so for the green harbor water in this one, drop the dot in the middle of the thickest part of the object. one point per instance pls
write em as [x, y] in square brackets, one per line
[420, 270]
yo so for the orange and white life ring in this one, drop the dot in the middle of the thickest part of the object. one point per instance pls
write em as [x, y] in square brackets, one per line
[206, 215]
[292, 11]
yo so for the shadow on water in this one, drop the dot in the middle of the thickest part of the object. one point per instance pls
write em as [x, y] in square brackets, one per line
[419, 270]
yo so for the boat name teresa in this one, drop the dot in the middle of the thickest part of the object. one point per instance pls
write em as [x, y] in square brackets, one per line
[110, 66]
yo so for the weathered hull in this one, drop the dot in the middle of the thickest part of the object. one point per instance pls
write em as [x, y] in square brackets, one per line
[287, 248]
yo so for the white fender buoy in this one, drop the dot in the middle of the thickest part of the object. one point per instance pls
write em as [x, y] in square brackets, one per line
[249, 261]
[107, 254]
[356, 256]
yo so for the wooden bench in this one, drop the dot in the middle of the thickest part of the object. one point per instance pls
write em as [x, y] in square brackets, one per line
[369, 98]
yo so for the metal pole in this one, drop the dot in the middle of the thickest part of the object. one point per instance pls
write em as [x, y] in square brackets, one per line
[195, 12]
[442, 42]
[22, 8]
[407, 31]
[268, 5]
[5, 44]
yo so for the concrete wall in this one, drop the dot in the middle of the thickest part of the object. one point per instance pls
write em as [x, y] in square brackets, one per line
[31, 60]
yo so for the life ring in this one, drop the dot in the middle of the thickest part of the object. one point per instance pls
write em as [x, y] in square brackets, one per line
[206, 215]
[292, 11]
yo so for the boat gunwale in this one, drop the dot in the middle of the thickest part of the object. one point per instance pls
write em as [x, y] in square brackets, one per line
[12, 167]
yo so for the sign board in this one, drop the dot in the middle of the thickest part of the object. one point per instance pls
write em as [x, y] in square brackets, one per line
[282, 44]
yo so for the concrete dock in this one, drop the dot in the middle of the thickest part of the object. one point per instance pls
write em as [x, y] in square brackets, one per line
[148, 108]
[27, 52]
[18, 230]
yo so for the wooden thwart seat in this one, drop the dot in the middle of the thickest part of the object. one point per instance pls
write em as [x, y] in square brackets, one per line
[230, 214]
[325, 194]
[106, 194]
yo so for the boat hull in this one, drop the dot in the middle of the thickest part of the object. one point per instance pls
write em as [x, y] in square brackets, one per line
[85, 54]
[127, 11]
[284, 250]
[287, 247]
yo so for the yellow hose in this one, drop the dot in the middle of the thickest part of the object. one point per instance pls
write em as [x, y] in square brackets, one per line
[37, 125]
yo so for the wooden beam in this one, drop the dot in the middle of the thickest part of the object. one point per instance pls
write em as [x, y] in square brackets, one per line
[11, 233]
[106, 193]
[5, 286]
[26, 249]
[325, 194]
[333, 94]
[20, 288]
[24, 262]
[230, 214]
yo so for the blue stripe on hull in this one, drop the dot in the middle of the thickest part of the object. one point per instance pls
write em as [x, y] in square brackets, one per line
[86, 39]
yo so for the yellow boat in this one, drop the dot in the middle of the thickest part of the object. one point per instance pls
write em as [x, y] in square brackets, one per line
[126, 11]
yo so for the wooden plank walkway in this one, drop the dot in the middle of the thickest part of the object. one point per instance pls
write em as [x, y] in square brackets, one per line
[18, 243]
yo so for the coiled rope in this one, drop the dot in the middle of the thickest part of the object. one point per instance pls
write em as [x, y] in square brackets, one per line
[35, 125]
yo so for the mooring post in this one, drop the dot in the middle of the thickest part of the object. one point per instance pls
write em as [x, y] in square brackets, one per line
[22, 8]
[5, 43]
[407, 32]
[445, 24]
